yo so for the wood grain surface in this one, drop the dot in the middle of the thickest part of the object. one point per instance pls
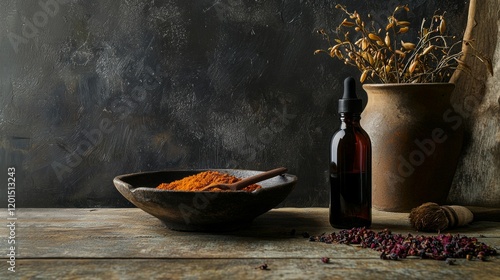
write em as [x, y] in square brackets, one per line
[130, 244]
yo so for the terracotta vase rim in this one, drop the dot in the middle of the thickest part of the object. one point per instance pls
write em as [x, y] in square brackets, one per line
[396, 85]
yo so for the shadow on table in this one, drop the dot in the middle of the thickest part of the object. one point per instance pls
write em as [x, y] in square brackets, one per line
[285, 223]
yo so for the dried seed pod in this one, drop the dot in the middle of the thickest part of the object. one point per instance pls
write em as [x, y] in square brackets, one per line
[364, 55]
[428, 50]
[333, 50]
[345, 22]
[387, 40]
[407, 45]
[358, 20]
[389, 26]
[363, 76]
[364, 44]
[403, 30]
[367, 57]
[370, 58]
[374, 37]
[400, 53]
[380, 43]
[338, 54]
[413, 66]
[442, 26]
[403, 23]
[391, 60]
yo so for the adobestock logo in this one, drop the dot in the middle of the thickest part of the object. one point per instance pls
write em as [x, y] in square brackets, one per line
[84, 148]
[32, 26]
[200, 203]
[426, 147]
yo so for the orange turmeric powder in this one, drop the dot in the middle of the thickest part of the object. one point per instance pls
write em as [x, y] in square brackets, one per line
[203, 179]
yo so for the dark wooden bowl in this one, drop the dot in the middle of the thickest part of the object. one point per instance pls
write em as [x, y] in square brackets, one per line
[202, 211]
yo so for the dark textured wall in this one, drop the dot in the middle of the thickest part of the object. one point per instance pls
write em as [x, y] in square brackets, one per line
[94, 89]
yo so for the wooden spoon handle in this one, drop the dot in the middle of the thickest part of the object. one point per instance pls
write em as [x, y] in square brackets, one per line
[259, 177]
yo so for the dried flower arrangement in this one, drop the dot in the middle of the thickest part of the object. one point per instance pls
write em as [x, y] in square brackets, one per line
[382, 56]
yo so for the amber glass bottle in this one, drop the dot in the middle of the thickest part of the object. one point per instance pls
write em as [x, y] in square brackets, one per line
[350, 166]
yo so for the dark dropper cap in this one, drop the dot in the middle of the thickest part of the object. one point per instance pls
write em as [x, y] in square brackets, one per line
[350, 103]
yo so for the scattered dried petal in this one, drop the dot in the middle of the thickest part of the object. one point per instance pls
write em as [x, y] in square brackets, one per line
[397, 246]
[263, 266]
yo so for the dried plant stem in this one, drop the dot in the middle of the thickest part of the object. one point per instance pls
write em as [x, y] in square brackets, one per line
[382, 56]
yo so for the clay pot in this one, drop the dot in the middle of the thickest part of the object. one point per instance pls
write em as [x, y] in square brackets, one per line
[416, 142]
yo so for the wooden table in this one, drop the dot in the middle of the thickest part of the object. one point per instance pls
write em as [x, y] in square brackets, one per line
[130, 244]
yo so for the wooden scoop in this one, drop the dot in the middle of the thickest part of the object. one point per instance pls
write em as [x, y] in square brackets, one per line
[247, 181]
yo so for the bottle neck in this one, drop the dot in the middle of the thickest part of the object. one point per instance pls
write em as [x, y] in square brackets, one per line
[349, 119]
